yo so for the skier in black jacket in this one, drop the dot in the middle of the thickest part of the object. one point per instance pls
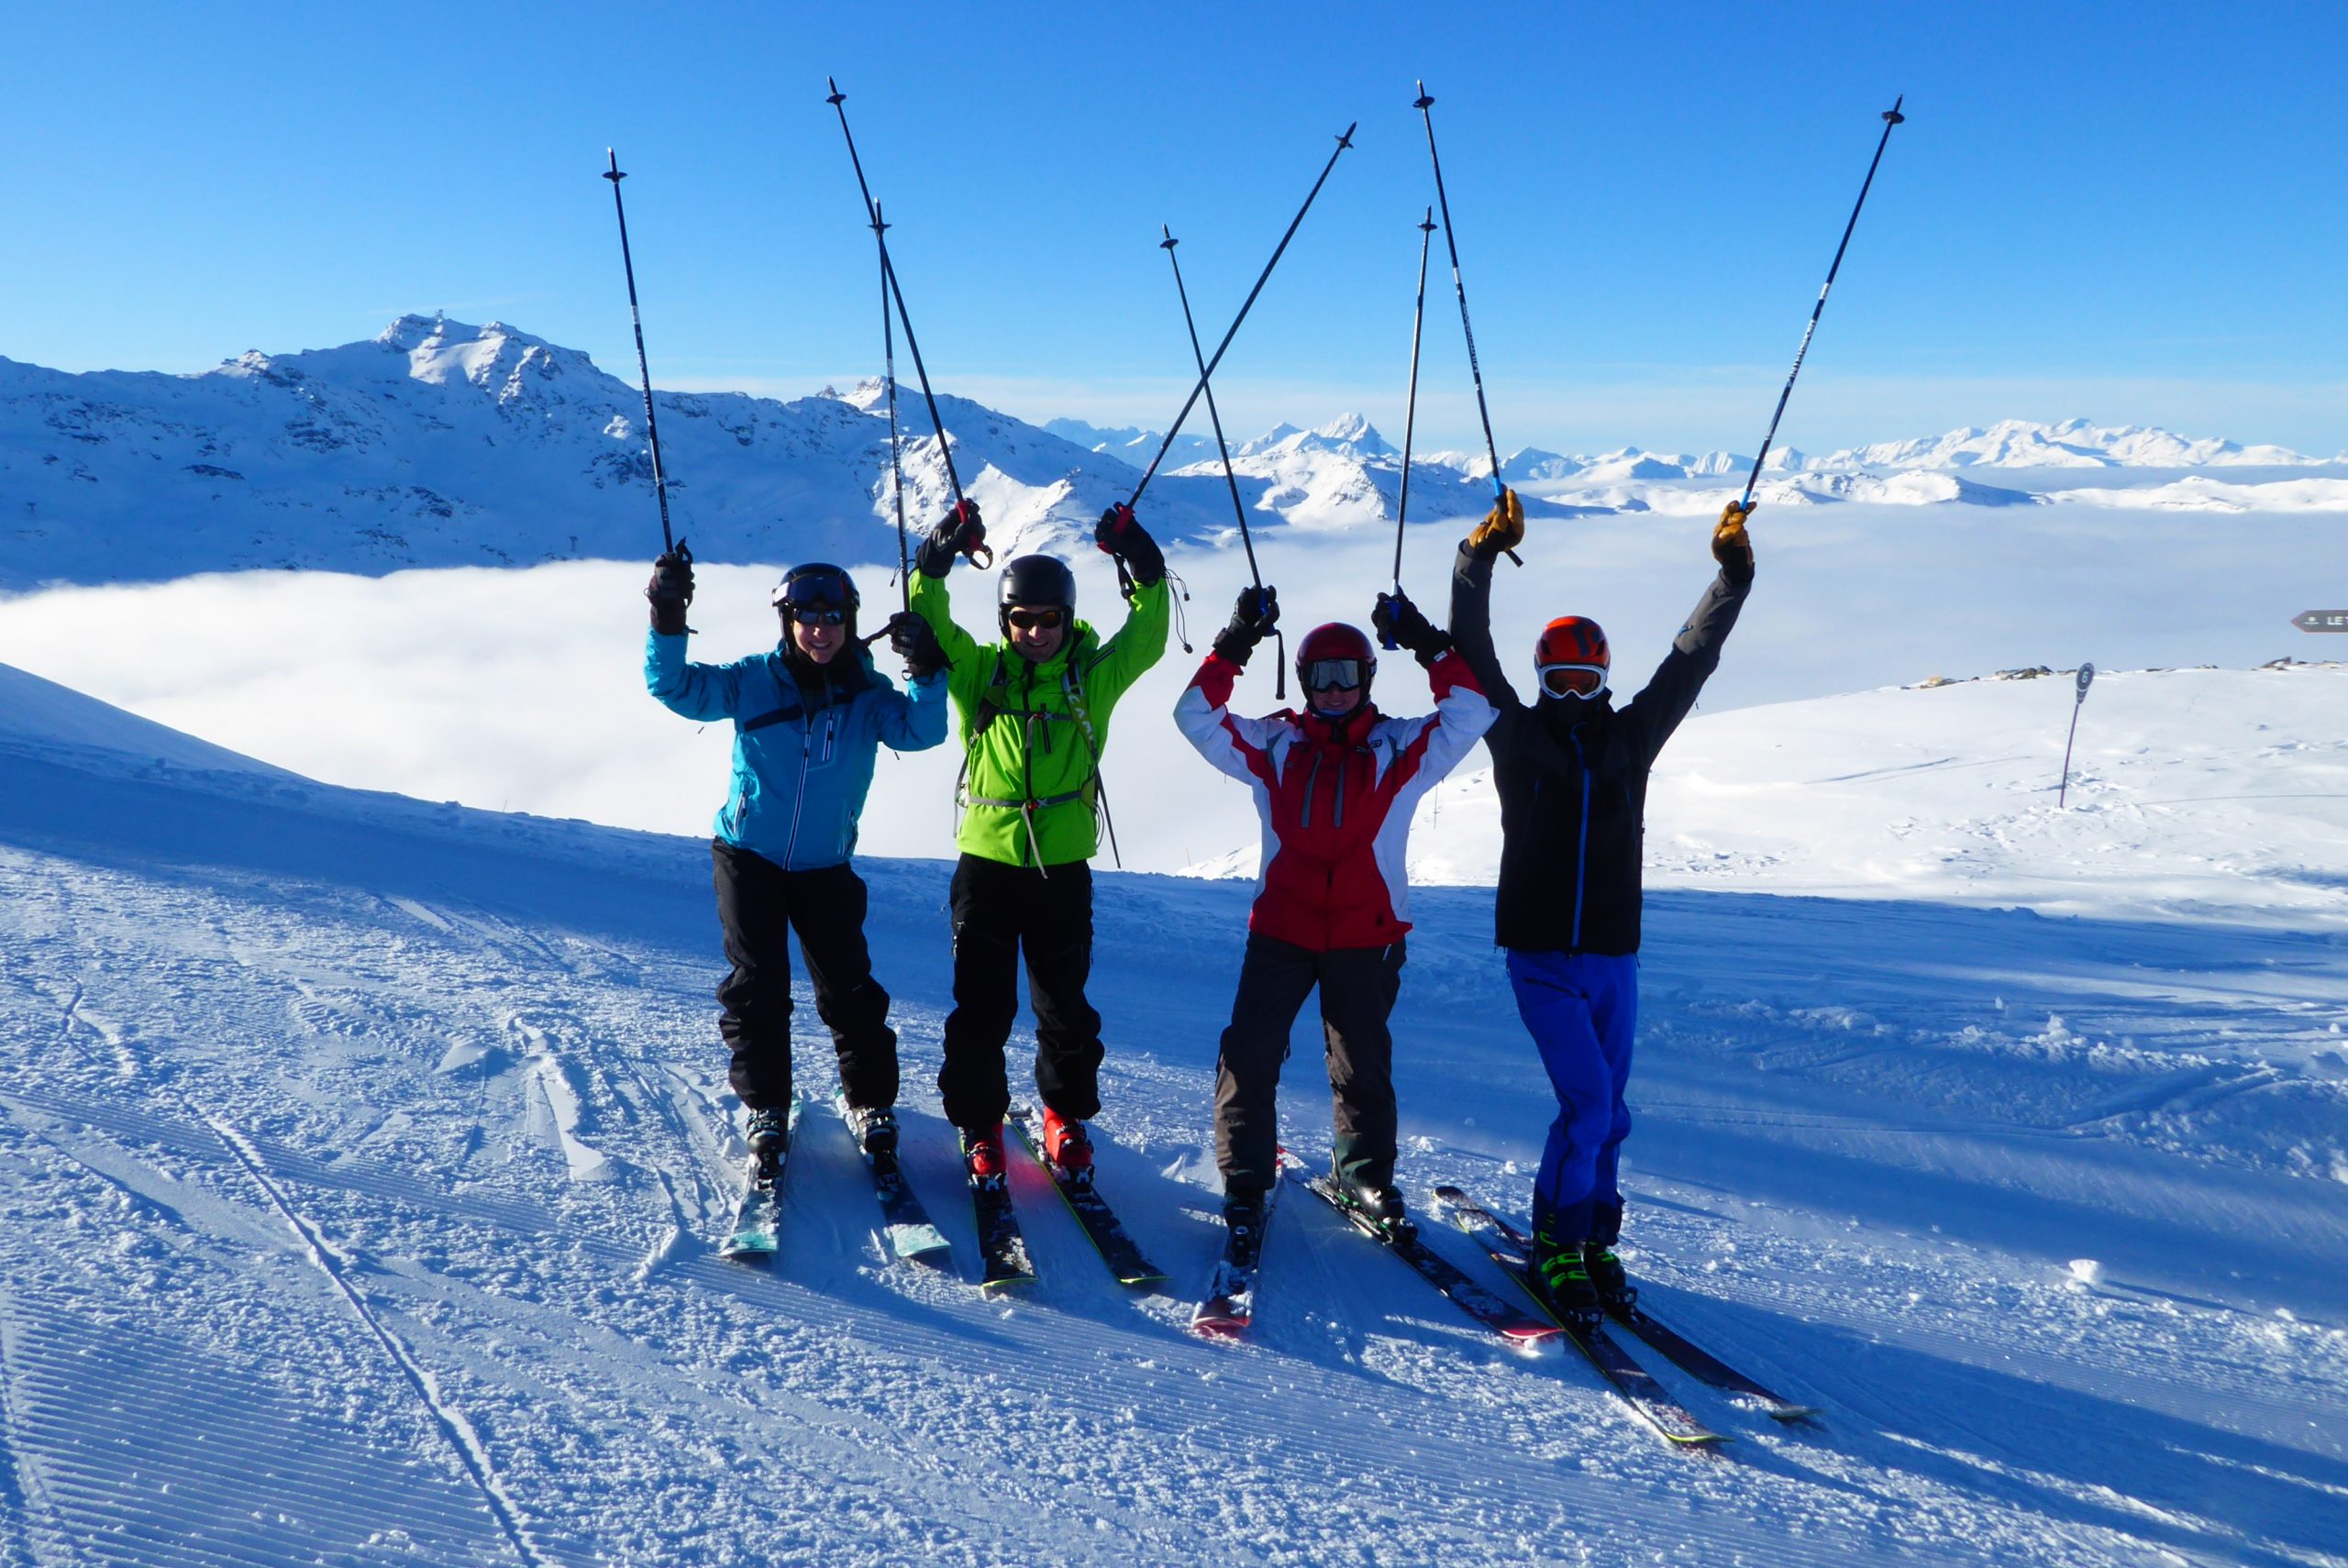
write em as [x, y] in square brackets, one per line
[1572, 770]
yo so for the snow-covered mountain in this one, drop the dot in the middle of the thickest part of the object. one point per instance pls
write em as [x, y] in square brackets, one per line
[363, 1157]
[441, 443]
[2073, 444]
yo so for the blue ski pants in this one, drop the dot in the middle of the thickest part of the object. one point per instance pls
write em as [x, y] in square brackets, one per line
[1582, 1009]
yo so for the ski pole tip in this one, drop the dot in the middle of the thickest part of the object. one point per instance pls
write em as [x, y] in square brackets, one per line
[838, 97]
[1346, 137]
[1893, 114]
[1424, 101]
[1170, 242]
[1426, 225]
[613, 173]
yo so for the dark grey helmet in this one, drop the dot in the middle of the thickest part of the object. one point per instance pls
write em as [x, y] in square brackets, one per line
[1035, 582]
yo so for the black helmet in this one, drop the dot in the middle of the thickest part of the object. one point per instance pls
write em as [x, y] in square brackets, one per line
[1035, 582]
[818, 586]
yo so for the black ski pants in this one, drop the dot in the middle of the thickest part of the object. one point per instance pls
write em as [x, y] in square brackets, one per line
[1001, 912]
[1357, 989]
[760, 904]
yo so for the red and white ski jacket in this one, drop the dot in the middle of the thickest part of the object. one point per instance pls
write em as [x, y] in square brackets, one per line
[1335, 797]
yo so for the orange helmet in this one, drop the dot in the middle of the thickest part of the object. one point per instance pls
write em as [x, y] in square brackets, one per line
[1572, 658]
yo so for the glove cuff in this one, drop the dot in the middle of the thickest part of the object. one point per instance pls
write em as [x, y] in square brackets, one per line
[1235, 647]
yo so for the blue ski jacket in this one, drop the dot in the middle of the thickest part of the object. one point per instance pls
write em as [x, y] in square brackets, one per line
[805, 741]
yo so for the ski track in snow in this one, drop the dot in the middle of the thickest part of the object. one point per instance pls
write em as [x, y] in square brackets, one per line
[363, 1161]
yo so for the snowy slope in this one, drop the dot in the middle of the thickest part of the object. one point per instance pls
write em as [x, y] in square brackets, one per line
[361, 1158]
[2193, 794]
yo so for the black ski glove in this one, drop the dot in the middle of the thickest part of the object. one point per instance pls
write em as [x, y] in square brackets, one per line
[1731, 547]
[958, 532]
[1252, 620]
[1397, 618]
[1126, 539]
[913, 640]
[670, 589]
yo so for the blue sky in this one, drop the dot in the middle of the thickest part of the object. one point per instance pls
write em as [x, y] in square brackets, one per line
[2133, 213]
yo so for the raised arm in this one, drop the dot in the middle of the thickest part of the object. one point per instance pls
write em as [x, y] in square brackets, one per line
[1236, 746]
[1471, 595]
[702, 691]
[1668, 696]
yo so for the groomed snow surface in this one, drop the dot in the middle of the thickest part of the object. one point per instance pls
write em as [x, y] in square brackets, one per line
[362, 1160]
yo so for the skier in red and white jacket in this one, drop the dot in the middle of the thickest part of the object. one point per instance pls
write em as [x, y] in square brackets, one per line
[1335, 787]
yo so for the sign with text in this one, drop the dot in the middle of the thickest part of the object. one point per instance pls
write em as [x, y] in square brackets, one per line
[2321, 621]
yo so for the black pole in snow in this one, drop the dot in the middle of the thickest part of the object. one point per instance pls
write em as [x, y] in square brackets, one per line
[643, 366]
[1891, 116]
[889, 272]
[896, 452]
[1425, 104]
[1410, 409]
[1238, 508]
[1344, 141]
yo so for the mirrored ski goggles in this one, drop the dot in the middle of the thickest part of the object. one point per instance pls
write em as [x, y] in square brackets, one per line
[1333, 674]
[806, 616]
[815, 590]
[1573, 680]
[1036, 620]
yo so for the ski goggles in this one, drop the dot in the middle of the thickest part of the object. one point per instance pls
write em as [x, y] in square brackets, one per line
[1035, 620]
[1573, 680]
[1334, 674]
[820, 598]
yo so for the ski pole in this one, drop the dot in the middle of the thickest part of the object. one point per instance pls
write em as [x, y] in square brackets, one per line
[896, 453]
[643, 366]
[888, 273]
[1891, 116]
[1425, 104]
[1410, 408]
[1344, 141]
[1239, 509]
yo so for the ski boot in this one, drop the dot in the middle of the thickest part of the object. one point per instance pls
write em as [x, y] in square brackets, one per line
[1243, 1220]
[1562, 1281]
[1068, 1145]
[983, 1160]
[769, 1134]
[1380, 1203]
[875, 1131]
[1615, 1292]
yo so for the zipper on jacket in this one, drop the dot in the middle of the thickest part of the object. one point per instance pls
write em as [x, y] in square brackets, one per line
[1581, 844]
[799, 801]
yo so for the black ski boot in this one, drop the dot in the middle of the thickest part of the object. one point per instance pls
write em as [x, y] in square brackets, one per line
[1615, 1291]
[769, 1134]
[1381, 1202]
[1243, 1217]
[1564, 1282]
[875, 1130]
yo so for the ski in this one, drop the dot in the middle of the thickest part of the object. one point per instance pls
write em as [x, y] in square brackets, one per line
[1521, 1330]
[1227, 1309]
[1002, 1250]
[1109, 1238]
[1509, 1248]
[904, 1221]
[757, 1235]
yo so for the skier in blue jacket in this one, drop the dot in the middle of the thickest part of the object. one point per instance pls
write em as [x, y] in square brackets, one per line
[809, 719]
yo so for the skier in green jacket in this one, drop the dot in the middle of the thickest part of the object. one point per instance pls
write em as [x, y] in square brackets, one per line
[1033, 712]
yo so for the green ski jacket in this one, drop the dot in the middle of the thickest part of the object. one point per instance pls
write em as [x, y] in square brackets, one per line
[1033, 733]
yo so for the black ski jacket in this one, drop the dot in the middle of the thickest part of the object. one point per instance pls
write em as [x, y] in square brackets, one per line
[1572, 776]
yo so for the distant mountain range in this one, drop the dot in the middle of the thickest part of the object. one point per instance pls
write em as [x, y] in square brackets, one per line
[440, 444]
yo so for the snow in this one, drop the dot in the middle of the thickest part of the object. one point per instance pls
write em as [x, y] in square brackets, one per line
[363, 1159]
